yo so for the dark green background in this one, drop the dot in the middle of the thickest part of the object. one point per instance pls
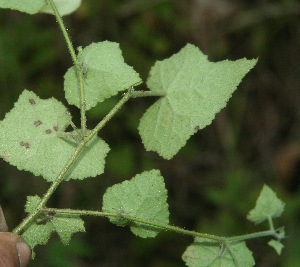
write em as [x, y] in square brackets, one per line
[213, 182]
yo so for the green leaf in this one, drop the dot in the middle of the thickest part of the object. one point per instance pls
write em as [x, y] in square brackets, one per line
[30, 139]
[195, 90]
[66, 226]
[267, 206]
[37, 234]
[40, 231]
[27, 6]
[105, 74]
[64, 7]
[31, 203]
[206, 253]
[143, 197]
[278, 246]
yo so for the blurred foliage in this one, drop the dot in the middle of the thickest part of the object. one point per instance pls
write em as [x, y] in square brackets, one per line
[213, 182]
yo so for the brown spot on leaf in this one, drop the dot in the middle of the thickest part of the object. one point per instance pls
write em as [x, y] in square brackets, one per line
[48, 131]
[31, 101]
[55, 128]
[25, 144]
[37, 123]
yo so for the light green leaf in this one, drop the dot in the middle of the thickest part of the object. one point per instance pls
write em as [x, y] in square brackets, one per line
[278, 246]
[143, 197]
[37, 234]
[30, 139]
[31, 203]
[195, 90]
[48, 222]
[267, 206]
[27, 6]
[64, 7]
[206, 253]
[105, 74]
[66, 226]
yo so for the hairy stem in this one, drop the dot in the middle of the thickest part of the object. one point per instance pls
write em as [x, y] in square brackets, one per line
[79, 70]
[165, 227]
[135, 220]
[64, 31]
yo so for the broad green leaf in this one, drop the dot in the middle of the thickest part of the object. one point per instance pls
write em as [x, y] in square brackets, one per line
[267, 206]
[105, 74]
[31, 139]
[64, 7]
[40, 231]
[143, 197]
[278, 246]
[195, 90]
[206, 253]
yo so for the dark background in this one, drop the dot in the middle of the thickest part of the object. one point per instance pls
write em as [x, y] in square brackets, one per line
[213, 182]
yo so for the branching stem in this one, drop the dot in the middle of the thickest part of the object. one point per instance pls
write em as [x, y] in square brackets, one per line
[165, 227]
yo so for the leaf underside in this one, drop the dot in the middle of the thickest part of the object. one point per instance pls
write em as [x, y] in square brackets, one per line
[268, 206]
[143, 197]
[206, 253]
[64, 7]
[195, 90]
[40, 231]
[31, 139]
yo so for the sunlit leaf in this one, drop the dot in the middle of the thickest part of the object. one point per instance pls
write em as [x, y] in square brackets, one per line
[105, 74]
[195, 90]
[32, 138]
[143, 197]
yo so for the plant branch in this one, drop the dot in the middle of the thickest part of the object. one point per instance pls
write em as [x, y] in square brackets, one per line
[79, 70]
[64, 31]
[135, 220]
[71, 161]
[176, 229]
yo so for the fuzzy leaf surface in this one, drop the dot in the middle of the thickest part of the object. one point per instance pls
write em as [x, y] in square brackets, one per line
[64, 7]
[40, 231]
[30, 139]
[268, 205]
[195, 90]
[105, 74]
[143, 197]
[206, 253]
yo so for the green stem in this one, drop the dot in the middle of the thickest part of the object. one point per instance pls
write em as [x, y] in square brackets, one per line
[78, 68]
[135, 220]
[163, 226]
[64, 31]
[250, 236]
